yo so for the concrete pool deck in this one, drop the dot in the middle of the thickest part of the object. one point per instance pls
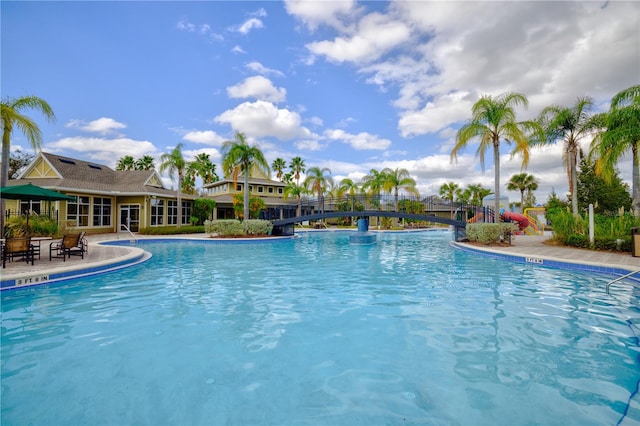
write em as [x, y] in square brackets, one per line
[103, 258]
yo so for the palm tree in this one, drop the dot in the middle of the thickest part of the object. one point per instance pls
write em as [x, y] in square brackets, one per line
[203, 166]
[522, 182]
[297, 166]
[317, 181]
[278, 165]
[477, 193]
[126, 163]
[350, 187]
[145, 163]
[293, 189]
[622, 135]
[11, 116]
[493, 120]
[448, 192]
[239, 157]
[373, 184]
[396, 179]
[174, 162]
[571, 125]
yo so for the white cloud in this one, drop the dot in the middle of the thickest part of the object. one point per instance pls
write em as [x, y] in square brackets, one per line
[237, 49]
[309, 145]
[206, 137]
[248, 25]
[102, 150]
[261, 69]
[316, 13]
[263, 119]
[375, 36]
[257, 87]
[360, 141]
[102, 125]
[203, 30]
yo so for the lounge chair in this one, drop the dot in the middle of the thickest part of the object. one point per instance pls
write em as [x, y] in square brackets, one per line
[17, 247]
[70, 245]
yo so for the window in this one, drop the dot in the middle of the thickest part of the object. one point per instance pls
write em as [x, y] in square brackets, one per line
[186, 212]
[78, 211]
[172, 212]
[157, 212]
[270, 190]
[101, 211]
[260, 189]
[30, 207]
[238, 187]
[279, 190]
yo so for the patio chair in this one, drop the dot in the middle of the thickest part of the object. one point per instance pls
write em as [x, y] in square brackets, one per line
[70, 245]
[17, 247]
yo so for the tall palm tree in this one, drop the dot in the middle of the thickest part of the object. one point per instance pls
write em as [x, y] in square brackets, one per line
[278, 165]
[297, 166]
[477, 193]
[373, 184]
[448, 192]
[317, 181]
[348, 186]
[394, 181]
[174, 162]
[522, 182]
[295, 190]
[570, 125]
[126, 163]
[146, 162]
[621, 135]
[203, 167]
[494, 120]
[12, 116]
[240, 157]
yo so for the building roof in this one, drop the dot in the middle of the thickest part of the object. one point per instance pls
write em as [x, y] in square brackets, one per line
[72, 175]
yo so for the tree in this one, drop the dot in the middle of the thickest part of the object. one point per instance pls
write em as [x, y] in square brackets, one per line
[622, 134]
[317, 181]
[606, 196]
[203, 167]
[202, 209]
[522, 182]
[18, 161]
[493, 120]
[570, 125]
[278, 165]
[239, 157]
[146, 162]
[373, 184]
[477, 193]
[174, 162]
[448, 193]
[348, 186]
[126, 163]
[295, 190]
[396, 179]
[297, 166]
[11, 116]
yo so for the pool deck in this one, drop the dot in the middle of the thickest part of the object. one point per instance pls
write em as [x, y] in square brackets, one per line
[103, 258]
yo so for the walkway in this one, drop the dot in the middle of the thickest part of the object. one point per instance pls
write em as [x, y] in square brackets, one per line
[101, 258]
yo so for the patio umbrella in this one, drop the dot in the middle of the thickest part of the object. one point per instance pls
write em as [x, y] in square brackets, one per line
[31, 192]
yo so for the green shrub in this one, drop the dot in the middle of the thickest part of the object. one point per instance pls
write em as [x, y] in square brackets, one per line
[224, 227]
[171, 230]
[38, 226]
[490, 233]
[257, 227]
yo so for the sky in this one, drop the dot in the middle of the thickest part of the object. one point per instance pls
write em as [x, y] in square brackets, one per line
[345, 85]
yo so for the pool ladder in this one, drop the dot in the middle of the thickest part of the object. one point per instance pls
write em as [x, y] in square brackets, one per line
[620, 279]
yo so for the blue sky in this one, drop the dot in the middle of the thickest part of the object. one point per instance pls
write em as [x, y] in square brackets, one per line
[345, 85]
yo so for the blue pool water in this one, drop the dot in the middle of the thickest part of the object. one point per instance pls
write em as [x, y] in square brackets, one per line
[317, 331]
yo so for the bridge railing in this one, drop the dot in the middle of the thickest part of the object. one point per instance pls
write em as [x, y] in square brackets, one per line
[389, 203]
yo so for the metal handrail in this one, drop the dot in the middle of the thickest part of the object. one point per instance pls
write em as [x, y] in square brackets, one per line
[620, 279]
[133, 237]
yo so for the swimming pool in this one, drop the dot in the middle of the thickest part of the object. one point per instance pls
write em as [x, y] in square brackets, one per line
[319, 331]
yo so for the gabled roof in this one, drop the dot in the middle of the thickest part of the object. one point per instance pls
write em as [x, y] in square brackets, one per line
[72, 175]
